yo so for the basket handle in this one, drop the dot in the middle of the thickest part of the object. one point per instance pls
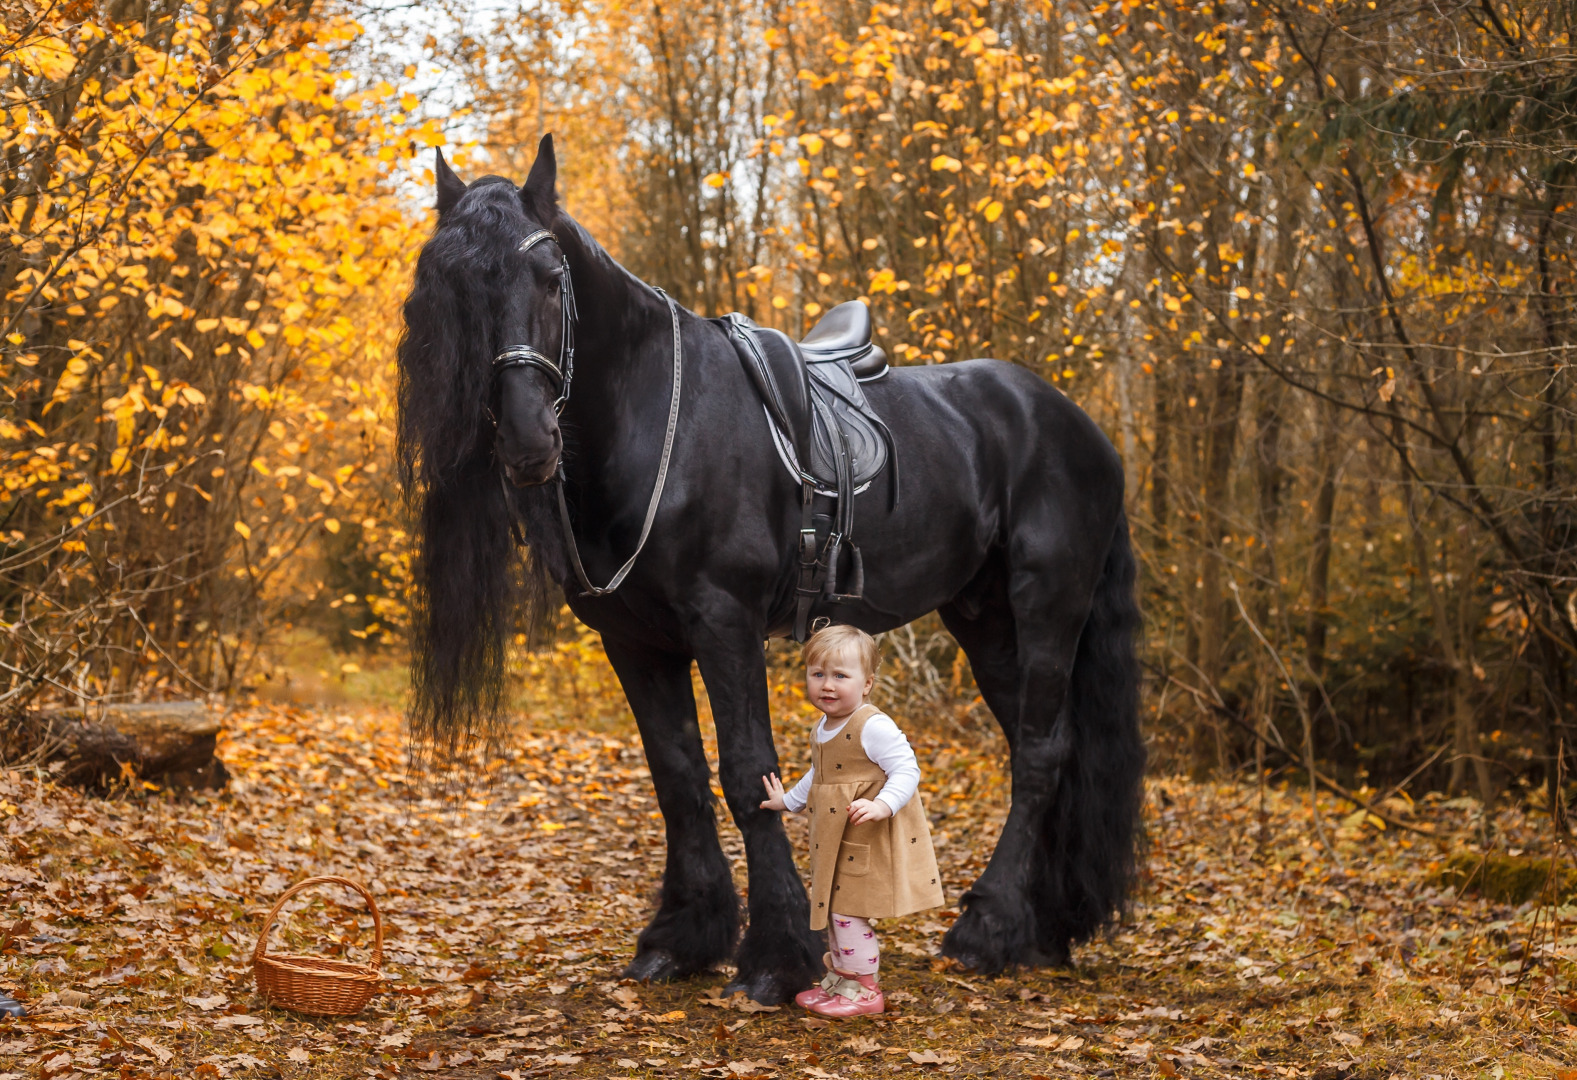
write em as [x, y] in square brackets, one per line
[372, 905]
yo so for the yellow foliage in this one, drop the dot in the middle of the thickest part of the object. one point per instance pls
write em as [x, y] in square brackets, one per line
[233, 185]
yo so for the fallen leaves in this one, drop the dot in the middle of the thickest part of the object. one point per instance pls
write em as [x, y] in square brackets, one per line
[155, 1049]
[630, 1001]
[736, 1001]
[461, 891]
[55, 1066]
[237, 1020]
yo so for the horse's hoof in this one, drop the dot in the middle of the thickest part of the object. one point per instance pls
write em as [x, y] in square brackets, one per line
[991, 935]
[1052, 955]
[764, 988]
[656, 965]
[966, 960]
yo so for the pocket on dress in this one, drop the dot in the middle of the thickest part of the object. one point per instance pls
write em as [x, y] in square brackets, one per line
[854, 860]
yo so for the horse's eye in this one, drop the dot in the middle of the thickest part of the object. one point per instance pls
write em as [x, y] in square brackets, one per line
[553, 286]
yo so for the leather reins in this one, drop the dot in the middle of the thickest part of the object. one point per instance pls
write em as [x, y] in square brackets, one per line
[563, 373]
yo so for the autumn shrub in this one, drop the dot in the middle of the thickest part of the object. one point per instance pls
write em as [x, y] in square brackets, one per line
[200, 253]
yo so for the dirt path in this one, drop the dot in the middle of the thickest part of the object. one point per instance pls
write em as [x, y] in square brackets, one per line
[127, 928]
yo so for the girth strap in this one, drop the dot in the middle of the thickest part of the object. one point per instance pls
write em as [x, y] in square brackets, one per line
[808, 589]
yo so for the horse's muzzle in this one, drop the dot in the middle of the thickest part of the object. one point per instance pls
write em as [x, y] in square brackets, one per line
[529, 462]
[531, 475]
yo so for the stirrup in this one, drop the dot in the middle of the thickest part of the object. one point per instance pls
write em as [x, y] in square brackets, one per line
[856, 577]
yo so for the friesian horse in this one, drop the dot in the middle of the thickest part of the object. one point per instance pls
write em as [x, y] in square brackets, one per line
[1010, 525]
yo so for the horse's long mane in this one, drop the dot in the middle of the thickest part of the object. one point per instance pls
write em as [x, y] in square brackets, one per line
[473, 586]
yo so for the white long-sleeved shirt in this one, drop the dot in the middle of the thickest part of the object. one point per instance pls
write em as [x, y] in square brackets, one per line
[886, 746]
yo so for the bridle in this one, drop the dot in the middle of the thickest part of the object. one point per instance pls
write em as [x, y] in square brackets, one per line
[562, 374]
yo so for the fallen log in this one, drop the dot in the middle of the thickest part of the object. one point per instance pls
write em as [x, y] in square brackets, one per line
[168, 743]
[1509, 879]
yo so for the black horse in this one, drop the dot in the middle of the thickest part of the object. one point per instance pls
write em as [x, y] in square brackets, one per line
[1010, 524]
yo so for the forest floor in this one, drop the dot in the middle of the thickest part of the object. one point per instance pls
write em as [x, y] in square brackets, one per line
[126, 926]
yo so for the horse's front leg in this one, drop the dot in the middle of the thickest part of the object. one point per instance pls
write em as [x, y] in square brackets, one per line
[779, 955]
[697, 917]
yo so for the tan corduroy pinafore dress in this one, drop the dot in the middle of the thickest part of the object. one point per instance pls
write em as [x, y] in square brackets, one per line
[877, 869]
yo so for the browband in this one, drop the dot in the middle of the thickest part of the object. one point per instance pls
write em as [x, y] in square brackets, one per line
[536, 238]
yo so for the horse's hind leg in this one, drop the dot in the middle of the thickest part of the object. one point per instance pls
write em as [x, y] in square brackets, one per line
[988, 635]
[1046, 606]
[697, 917]
[1065, 859]
[984, 628]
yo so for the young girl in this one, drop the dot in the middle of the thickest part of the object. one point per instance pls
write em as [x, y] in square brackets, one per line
[870, 843]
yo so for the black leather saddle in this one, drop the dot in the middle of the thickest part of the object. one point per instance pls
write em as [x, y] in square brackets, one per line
[828, 436]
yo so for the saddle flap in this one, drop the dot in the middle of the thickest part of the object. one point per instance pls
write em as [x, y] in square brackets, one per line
[827, 435]
[841, 403]
[775, 367]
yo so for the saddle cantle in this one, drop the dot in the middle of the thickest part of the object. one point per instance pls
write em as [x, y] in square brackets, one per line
[826, 433]
[844, 334]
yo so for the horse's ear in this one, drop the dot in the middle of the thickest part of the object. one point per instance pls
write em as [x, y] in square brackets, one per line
[450, 186]
[541, 185]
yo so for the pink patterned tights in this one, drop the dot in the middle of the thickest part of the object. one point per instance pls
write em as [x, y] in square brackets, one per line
[853, 945]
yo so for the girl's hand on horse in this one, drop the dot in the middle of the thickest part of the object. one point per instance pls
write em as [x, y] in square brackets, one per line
[863, 810]
[774, 799]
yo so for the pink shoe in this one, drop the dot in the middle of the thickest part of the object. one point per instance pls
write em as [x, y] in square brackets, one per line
[809, 999]
[859, 996]
[818, 993]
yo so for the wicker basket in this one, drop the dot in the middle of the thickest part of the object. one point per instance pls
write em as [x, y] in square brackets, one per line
[311, 984]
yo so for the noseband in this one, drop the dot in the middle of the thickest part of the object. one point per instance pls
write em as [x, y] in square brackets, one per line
[562, 373]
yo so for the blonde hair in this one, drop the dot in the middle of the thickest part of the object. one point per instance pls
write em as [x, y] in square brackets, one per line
[834, 641]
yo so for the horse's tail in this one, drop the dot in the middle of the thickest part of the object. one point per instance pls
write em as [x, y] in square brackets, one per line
[1093, 835]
